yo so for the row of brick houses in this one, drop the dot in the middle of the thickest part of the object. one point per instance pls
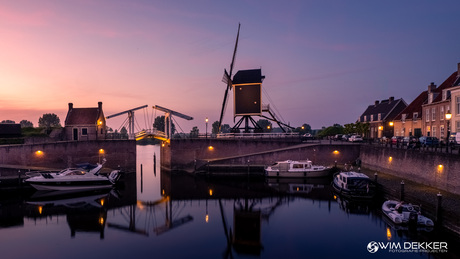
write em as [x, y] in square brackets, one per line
[424, 116]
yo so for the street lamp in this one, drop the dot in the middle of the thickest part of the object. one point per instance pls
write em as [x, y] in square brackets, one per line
[448, 117]
[206, 127]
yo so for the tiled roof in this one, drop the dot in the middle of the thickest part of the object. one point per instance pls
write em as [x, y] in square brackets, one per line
[82, 116]
[384, 108]
[414, 106]
[451, 81]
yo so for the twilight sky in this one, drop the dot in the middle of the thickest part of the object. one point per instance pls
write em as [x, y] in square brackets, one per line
[324, 61]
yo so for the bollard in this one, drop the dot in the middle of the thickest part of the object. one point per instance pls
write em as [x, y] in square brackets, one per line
[438, 208]
[402, 190]
[375, 177]
[335, 164]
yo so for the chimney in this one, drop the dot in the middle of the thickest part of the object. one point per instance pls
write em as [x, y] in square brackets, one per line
[391, 99]
[376, 103]
[70, 106]
[431, 87]
[99, 105]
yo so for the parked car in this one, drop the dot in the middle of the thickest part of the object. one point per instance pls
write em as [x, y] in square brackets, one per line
[345, 137]
[429, 141]
[395, 140]
[355, 138]
[307, 136]
[337, 137]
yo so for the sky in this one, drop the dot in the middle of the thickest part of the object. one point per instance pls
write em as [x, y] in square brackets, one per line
[324, 61]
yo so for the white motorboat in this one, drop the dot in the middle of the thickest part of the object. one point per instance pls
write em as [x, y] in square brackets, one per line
[302, 168]
[400, 213]
[353, 185]
[79, 179]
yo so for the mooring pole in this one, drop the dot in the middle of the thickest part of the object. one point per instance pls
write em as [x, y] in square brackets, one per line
[402, 190]
[375, 177]
[438, 207]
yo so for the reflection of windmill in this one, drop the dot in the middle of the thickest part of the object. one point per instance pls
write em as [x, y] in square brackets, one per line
[247, 93]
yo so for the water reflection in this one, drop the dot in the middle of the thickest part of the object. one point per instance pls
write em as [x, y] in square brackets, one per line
[159, 214]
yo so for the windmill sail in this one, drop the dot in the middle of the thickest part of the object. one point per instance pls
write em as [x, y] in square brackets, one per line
[227, 79]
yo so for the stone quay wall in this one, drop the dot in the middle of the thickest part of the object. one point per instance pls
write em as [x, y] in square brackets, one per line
[190, 154]
[68, 153]
[438, 170]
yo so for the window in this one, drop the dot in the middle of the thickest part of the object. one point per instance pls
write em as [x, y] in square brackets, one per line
[427, 116]
[415, 116]
[403, 117]
[364, 118]
[433, 130]
[433, 114]
[457, 105]
[441, 128]
[372, 117]
[441, 113]
[84, 132]
[457, 126]
[379, 117]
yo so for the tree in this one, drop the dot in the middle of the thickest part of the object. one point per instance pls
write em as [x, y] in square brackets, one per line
[225, 128]
[332, 130]
[215, 127]
[194, 132]
[49, 120]
[159, 124]
[123, 132]
[26, 124]
[265, 125]
[8, 122]
[305, 128]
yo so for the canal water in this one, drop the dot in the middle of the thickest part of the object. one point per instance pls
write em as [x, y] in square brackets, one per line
[155, 214]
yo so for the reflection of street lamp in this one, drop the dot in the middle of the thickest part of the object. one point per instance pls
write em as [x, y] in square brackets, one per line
[206, 127]
[448, 117]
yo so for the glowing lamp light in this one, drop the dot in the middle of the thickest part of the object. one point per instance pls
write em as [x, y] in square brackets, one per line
[336, 152]
[380, 128]
[39, 153]
[140, 205]
[210, 192]
[388, 234]
[440, 168]
[211, 148]
[101, 151]
[391, 123]
[207, 218]
[102, 202]
[448, 115]
[162, 144]
[335, 197]
[163, 192]
[101, 221]
[390, 159]
[40, 209]
[99, 122]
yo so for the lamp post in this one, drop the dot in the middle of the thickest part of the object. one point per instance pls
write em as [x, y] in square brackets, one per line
[206, 127]
[448, 117]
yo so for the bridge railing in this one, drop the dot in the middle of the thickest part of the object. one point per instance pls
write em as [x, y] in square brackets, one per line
[257, 135]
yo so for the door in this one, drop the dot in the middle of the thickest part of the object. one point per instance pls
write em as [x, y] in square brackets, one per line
[75, 134]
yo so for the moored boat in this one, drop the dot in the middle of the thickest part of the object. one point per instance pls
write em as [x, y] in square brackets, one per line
[299, 169]
[78, 179]
[353, 185]
[401, 213]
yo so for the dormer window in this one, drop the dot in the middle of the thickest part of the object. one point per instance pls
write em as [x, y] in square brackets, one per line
[379, 117]
[415, 116]
[403, 117]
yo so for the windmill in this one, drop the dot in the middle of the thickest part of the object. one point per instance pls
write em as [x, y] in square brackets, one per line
[247, 98]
